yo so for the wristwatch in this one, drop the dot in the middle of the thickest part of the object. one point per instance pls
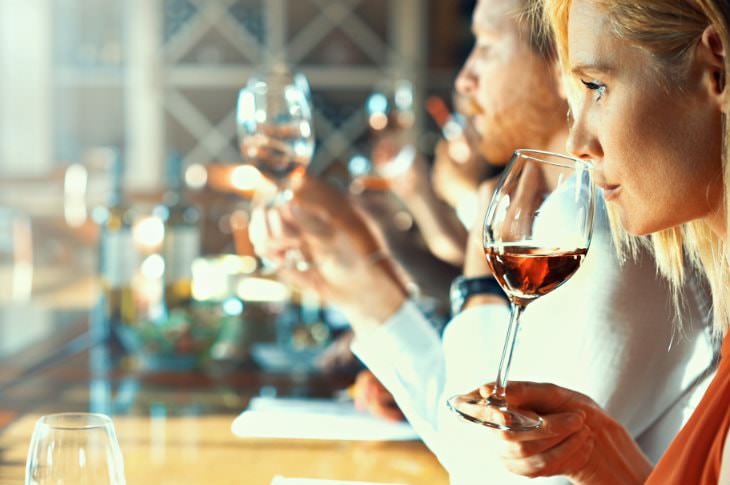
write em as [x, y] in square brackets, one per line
[462, 288]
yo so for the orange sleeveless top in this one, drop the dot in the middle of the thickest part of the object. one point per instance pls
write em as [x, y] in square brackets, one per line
[695, 454]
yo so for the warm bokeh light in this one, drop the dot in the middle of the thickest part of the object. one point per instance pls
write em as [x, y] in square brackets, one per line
[210, 280]
[148, 233]
[378, 121]
[246, 178]
[153, 267]
[75, 184]
[262, 290]
[196, 176]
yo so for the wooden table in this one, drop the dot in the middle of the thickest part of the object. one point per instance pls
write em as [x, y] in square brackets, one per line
[194, 450]
[174, 427]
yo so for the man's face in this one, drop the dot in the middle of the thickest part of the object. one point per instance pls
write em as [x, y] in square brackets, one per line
[513, 90]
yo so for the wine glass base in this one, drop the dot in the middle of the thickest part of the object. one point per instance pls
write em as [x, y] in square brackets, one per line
[476, 409]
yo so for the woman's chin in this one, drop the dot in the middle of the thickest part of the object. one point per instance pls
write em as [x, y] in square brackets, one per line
[628, 221]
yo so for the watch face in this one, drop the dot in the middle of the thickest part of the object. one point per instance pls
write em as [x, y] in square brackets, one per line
[457, 295]
[463, 288]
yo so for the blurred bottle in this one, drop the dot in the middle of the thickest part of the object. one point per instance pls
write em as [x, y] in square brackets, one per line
[452, 128]
[181, 244]
[117, 254]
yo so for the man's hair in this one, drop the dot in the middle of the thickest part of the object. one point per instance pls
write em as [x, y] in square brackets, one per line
[539, 34]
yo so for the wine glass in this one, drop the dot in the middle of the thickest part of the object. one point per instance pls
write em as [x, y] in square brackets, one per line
[391, 116]
[274, 120]
[537, 231]
[275, 134]
[78, 448]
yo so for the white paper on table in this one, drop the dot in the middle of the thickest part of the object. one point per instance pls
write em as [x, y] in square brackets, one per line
[323, 419]
[313, 481]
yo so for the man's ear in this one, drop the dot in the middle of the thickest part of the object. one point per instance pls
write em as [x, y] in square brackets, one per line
[711, 54]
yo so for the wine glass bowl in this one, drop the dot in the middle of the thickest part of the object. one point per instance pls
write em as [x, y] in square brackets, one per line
[274, 122]
[391, 117]
[79, 448]
[537, 231]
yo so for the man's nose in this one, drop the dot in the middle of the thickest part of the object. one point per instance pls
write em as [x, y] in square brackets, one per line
[467, 80]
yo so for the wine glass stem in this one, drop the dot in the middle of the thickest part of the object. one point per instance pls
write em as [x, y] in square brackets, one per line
[510, 342]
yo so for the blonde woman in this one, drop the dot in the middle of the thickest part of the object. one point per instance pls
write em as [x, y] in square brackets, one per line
[649, 97]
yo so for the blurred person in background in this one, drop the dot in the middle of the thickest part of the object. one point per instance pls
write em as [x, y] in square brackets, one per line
[440, 197]
[606, 333]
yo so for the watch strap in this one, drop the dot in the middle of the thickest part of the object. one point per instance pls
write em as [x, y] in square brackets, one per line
[463, 288]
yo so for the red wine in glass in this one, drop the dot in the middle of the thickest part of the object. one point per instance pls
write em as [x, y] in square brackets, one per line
[537, 231]
[527, 273]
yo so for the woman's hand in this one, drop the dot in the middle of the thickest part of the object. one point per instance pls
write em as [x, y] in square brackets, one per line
[577, 439]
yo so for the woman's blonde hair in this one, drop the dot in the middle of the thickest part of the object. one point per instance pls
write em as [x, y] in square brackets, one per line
[669, 30]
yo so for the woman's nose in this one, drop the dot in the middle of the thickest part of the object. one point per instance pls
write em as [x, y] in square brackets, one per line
[582, 141]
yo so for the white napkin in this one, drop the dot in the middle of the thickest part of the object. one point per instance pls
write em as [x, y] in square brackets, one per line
[323, 419]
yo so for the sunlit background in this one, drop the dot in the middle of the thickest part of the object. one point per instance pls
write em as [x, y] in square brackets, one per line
[85, 81]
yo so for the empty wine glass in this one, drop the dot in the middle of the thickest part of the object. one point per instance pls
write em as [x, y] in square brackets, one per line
[74, 448]
[537, 231]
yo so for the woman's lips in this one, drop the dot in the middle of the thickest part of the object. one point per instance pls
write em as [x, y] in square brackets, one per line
[610, 191]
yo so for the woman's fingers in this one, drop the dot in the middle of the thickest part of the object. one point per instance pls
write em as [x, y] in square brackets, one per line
[541, 398]
[553, 426]
[566, 456]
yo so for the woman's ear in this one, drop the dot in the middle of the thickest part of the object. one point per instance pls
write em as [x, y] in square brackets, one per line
[711, 52]
[559, 80]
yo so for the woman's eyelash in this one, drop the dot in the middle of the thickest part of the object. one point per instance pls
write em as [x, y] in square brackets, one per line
[595, 86]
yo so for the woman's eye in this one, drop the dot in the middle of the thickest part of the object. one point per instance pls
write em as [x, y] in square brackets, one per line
[596, 86]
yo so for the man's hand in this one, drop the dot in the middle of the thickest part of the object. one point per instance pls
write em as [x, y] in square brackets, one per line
[371, 395]
[347, 264]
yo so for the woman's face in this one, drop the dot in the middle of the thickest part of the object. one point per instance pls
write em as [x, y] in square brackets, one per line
[656, 144]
